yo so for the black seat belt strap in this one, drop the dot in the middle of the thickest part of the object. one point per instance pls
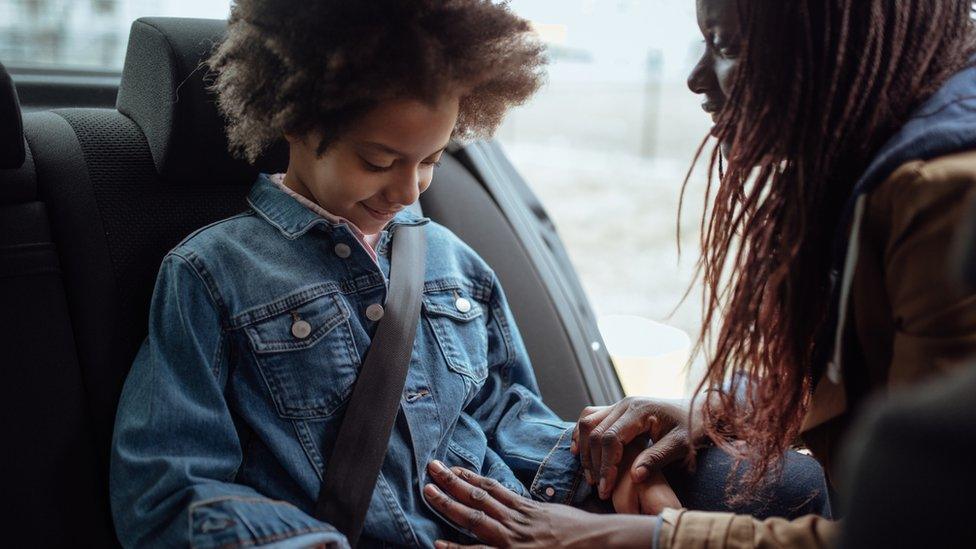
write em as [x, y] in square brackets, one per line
[352, 471]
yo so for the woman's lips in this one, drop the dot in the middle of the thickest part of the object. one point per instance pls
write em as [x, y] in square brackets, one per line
[713, 108]
[379, 215]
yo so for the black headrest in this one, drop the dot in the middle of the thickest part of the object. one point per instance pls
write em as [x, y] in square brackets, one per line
[12, 149]
[164, 91]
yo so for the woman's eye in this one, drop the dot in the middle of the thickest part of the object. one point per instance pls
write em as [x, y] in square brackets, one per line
[729, 52]
[434, 163]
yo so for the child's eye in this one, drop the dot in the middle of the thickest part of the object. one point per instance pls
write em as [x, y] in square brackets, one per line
[434, 163]
[374, 168]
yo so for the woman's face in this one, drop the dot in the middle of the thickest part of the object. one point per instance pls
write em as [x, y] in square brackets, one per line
[379, 166]
[712, 76]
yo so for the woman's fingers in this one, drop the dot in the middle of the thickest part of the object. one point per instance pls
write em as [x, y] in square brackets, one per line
[672, 447]
[475, 521]
[495, 489]
[472, 490]
[591, 455]
[589, 419]
[633, 423]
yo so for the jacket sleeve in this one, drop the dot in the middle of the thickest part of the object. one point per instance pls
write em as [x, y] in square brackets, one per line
[529, 437]
[176, 450]
[934, 318]
[683, 529]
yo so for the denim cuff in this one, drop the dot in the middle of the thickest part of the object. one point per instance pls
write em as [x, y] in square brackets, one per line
[560, 478]
[254, 521]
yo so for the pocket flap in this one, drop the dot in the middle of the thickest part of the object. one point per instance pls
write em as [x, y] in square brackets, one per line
[453, 304]
[277, 334]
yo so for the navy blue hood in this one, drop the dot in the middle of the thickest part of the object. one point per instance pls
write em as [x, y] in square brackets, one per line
[943, 125]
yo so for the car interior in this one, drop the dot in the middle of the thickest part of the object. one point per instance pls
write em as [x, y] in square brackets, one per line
[98, 183]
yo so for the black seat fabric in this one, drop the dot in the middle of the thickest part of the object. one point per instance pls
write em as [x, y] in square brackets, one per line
[103, 194]
[12, 150]
[52, 495]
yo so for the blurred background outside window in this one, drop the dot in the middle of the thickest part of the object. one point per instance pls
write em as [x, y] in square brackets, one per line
[606, 146]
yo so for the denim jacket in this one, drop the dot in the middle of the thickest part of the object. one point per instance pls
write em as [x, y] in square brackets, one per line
[257, 327]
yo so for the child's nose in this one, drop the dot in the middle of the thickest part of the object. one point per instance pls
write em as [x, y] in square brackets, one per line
[406, 190]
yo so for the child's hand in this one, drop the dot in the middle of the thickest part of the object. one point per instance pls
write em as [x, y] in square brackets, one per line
[647, 498]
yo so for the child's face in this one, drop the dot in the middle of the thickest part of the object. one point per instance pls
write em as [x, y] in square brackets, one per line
[379, 166]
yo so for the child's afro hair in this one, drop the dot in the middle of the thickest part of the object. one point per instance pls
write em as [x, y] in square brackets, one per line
[293, 66]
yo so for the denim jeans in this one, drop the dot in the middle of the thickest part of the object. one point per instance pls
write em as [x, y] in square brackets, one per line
[800, 489]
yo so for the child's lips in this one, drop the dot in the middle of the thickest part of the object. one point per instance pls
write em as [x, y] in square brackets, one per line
[379, 215]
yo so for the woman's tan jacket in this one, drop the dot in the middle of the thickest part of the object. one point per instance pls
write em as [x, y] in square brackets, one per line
[907, 321]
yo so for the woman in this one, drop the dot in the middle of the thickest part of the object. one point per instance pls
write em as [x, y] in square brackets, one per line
[848, 130]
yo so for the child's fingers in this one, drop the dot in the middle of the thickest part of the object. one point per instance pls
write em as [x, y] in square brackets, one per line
[656, 495]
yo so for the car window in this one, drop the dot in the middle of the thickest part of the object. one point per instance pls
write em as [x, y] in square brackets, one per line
[83, 34]
[606, 146]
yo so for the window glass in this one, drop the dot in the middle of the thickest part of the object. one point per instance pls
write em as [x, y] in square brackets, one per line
[83, 34]
[606, 145]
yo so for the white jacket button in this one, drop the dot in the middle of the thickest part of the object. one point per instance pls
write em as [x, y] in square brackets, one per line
[374, 312]
[301, 329]
[342, 250]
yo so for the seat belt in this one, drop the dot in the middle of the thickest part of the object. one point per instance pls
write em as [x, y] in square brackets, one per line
[352, 471]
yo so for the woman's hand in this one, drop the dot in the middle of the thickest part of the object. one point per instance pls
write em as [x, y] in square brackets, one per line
[603, 432]
[502, 518]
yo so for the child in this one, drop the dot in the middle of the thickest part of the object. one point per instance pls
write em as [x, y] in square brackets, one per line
[259, 322]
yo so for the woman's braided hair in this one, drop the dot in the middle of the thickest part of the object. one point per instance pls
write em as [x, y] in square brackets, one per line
[293, 66]
[820, 87]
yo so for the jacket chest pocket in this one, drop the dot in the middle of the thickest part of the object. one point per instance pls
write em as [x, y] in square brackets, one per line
[458, 324]
[307, 356]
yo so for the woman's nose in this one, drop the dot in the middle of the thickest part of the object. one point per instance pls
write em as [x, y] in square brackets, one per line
[698, 80]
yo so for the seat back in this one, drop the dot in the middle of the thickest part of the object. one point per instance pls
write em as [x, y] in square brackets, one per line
[54, 494]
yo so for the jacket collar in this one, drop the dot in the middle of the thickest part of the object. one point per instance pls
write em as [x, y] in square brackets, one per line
[293, 219]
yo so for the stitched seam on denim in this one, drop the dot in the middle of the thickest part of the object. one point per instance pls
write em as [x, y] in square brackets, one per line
[282, 305]
[195, 233]
[395, 509]
[196, 266]
[308, 446]
[285, 232]
[277, 537]
[362, 283]
[463, 454]
[218, 358]
[266, 501]
[535, 482]
[498, 315]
